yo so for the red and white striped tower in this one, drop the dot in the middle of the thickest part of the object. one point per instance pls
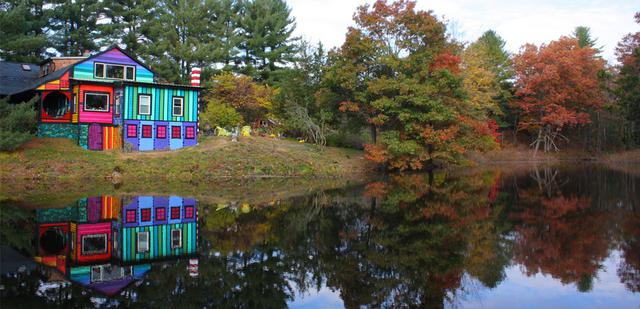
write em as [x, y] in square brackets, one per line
[195, 76]
[195, 81]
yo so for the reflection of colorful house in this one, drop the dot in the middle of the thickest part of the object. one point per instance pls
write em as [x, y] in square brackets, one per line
[108, 279]
[102, 244]
[157, 227]
[106, 99]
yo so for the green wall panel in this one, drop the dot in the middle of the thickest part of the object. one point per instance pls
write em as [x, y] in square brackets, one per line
[62, 130]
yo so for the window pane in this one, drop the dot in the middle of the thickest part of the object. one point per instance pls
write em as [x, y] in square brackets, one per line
[132, 130]
[130, 73]
[94, 244]
[175, 212]
[98, 102]
[177, 106]
[175, 132]
[143, 241]
[190, 132]
[188, 212]
[115, 71]
[162, 132]
[146, 215]
[160, 214]
[176, 238]
[144, 105]
[131, 216]
[146, 131]
[99, 70]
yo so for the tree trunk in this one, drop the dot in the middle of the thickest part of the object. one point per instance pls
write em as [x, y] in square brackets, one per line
[374, 134]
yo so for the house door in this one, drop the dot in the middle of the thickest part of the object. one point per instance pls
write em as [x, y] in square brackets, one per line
[95, 137]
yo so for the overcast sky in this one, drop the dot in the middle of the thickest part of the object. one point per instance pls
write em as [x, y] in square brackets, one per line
[517, 22]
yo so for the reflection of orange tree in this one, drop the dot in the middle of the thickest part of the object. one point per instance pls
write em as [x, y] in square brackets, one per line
[560, 236]
[629, 270]
[406, 243]
[429, 228]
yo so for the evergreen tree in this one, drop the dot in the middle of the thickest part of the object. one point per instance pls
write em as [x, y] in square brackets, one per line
[129, 22]
[583, 35]
[267, 44]
[226, 29]
[179, 38]
[22, 38]
[495, 58]
[74, 26]
[627, 88]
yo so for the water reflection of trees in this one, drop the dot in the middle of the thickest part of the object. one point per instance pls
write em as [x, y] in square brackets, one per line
[406, 241]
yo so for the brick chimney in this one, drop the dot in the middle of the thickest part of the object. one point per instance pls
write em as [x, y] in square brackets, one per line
[195, 76]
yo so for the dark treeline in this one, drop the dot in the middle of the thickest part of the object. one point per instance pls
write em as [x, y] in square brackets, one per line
[251, 37]
[400, 87]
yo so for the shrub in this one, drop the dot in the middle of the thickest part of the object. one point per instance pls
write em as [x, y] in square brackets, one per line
[17, 124]
[218, 114]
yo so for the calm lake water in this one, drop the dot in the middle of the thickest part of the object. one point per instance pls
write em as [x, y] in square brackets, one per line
[537, 238]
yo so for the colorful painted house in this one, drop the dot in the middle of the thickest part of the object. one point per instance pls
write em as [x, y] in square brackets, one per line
[106, 242]
[108, 100]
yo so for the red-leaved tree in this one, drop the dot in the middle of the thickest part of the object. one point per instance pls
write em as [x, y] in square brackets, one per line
[556, 84]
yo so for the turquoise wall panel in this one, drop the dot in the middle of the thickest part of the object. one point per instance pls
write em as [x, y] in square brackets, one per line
[83, 136]
[159, 241]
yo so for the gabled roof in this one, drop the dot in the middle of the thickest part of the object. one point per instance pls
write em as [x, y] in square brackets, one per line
[112, 47]
[13, 77]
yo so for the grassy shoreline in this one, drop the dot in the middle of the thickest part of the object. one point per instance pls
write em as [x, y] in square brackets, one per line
[55, 172]
[215, 158]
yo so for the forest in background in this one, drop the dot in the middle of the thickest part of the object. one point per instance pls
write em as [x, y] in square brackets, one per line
[399, 87]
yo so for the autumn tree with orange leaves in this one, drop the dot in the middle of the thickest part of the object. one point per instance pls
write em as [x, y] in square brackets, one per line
[398, 73]
[556, 85]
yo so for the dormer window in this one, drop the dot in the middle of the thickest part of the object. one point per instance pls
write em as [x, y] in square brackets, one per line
[114, 71]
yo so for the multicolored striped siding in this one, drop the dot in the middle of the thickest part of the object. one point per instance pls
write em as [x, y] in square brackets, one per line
[58, 84]
[161, 99]
[84, 70]
[111, 138]
[159, 241]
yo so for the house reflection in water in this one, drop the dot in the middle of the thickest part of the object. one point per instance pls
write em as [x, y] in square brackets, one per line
[106, 243]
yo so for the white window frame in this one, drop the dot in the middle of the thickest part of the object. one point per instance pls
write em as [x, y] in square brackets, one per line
[140, 104]
[101, 268]
[104, 72]
[95, 70]
[173, 106]
[133, 78]
[84, 104]
[179, 245]
[106, 248]
[140, 248]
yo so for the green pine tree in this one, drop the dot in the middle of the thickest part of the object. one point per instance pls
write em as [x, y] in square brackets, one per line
[267, 44]
[74, 26]
[129, 22]
[181, 37]
[22, 38]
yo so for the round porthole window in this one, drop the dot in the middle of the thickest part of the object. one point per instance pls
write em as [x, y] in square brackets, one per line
[52, 241]
[55, 104]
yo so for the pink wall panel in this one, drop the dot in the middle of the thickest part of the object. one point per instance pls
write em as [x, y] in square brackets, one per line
[91, 116]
